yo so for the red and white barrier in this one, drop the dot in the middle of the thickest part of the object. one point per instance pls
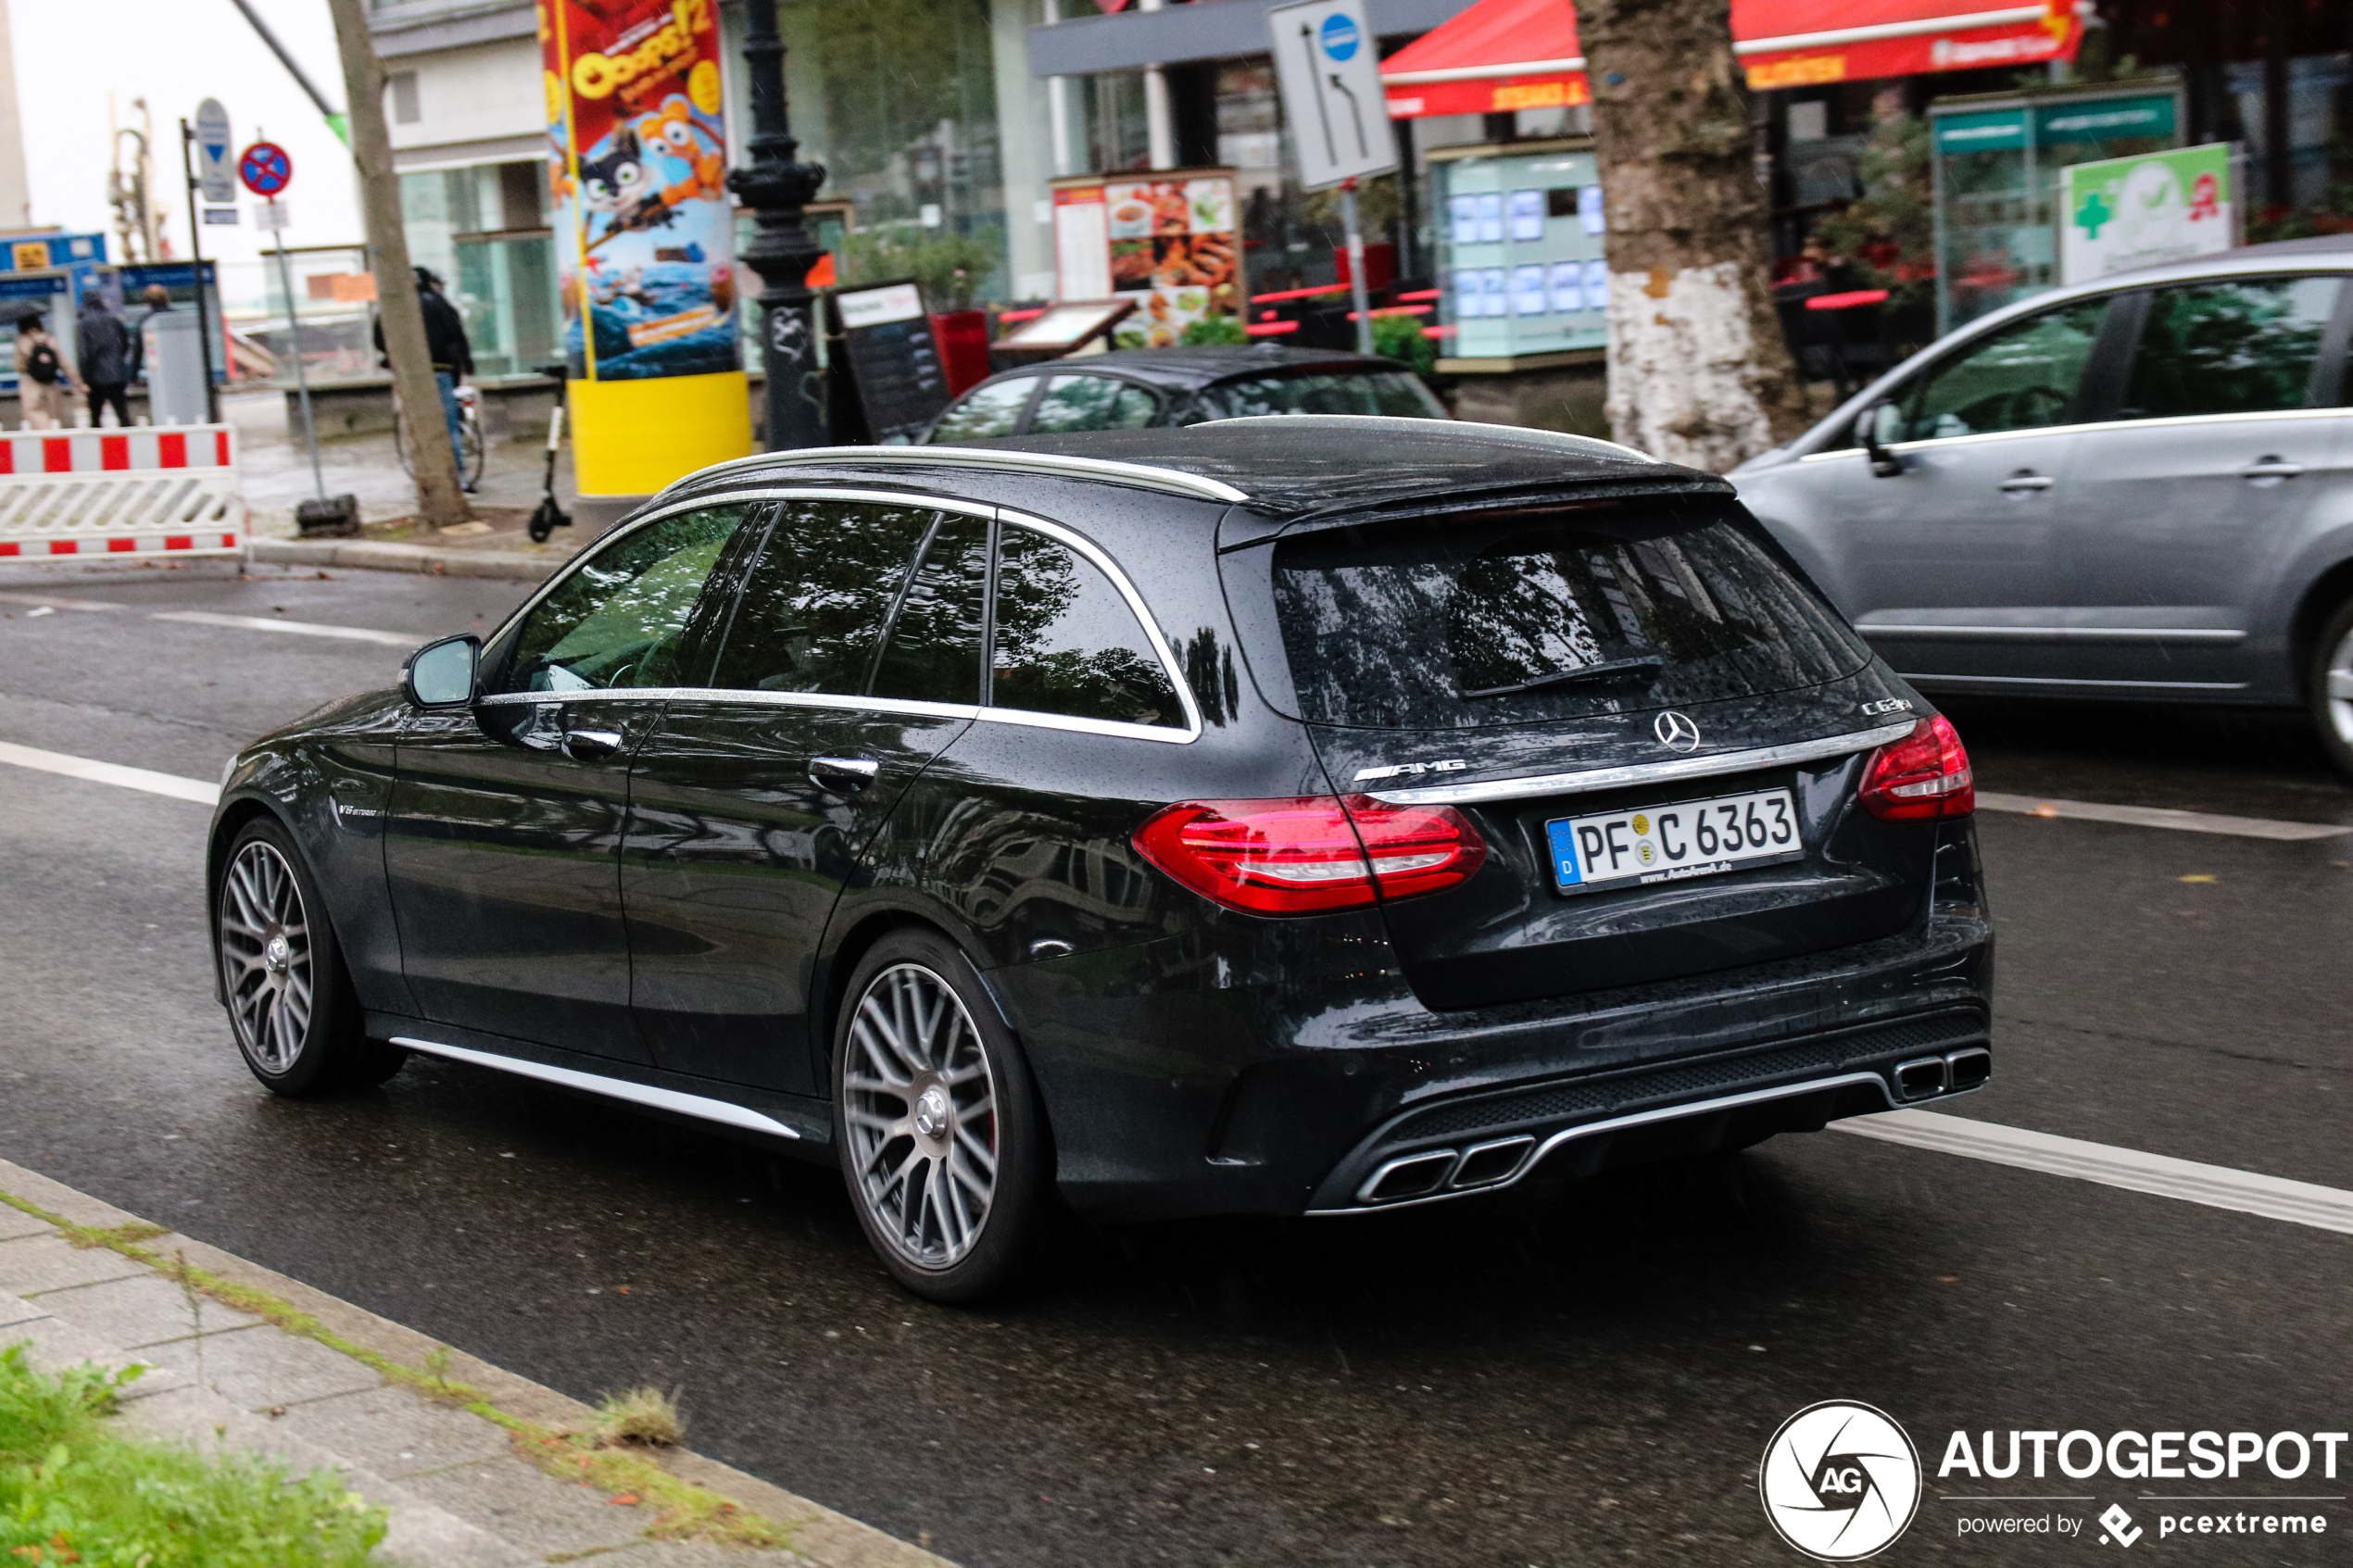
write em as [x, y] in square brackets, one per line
[151, 490]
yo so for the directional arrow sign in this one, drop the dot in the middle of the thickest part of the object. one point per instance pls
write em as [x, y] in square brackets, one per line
[216, 163]
[1329, 70]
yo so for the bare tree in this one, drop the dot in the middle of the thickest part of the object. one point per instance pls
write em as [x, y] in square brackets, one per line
[1698, 370]
[441, 501]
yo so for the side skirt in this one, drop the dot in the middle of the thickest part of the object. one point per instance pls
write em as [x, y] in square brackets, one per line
[790, 1124]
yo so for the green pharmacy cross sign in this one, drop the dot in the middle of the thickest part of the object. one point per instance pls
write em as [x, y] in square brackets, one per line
[2129, 212]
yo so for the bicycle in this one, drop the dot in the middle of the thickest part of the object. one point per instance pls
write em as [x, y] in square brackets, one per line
[469, 441]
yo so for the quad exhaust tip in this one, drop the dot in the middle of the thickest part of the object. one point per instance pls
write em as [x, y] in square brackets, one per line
[1954, 1073]
[1447, 1170]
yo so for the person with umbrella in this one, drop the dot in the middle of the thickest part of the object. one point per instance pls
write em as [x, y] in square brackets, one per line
[45, 377]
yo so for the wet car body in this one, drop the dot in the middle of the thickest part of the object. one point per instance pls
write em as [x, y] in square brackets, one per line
[674, 924]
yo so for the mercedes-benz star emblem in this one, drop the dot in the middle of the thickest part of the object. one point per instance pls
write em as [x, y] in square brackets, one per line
[1676, 731]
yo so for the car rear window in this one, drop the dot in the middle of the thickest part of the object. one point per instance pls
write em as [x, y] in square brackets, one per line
[1395, 392]
[1442, 623]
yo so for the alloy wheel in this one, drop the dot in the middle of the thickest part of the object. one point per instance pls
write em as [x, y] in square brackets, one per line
[2338, 677]
[265, 956]
[919, 1107]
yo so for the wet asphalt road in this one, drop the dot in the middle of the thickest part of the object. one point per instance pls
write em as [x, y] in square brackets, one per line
[1588, 1383]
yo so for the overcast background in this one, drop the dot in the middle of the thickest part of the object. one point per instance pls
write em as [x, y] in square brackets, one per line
[71, 57]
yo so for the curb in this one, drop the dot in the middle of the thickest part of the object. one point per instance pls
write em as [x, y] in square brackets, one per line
[370, 554]
[166, 1403]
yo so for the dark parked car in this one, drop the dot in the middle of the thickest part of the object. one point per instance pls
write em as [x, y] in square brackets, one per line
[1138, 388]
[2139, 488]
[1278, 816]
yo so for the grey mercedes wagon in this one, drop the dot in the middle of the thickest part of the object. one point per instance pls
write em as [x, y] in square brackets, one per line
[2139, 488]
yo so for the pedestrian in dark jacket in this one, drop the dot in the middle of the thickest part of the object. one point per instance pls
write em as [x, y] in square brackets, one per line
[452, 356]
[102, 341]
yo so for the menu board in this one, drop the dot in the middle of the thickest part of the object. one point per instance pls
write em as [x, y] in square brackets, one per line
[1520, 252]
[1170, 242]
[893, 363]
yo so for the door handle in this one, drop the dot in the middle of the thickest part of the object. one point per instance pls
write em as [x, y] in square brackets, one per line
[2271, 467]
[592, 746]
[2023, 480]
[845, 776]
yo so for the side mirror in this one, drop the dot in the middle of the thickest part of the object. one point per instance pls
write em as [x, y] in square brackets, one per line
[1878, 424]
[444, 674]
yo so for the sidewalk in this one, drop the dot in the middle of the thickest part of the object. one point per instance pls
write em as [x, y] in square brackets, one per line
[245, 1360]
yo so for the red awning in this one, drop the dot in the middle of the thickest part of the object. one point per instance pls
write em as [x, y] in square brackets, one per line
[1523, 54]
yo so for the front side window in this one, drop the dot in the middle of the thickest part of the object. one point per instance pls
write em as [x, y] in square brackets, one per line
[620, 619]
[2024, 377]
[1396, 392]
[933, 652]
[2229, 348]
[1092, 403]
[813, 609]
[987, 412]
[1067, 641]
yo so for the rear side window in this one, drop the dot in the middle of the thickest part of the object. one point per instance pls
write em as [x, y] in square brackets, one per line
[988, 413]
[2024, 376]
[812, 608]
[2229, 348]
[1396, 392]
[1067, 642]
[1444, 624]
[934, 653]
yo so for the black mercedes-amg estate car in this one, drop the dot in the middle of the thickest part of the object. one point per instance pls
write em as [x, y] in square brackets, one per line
[1282, 816]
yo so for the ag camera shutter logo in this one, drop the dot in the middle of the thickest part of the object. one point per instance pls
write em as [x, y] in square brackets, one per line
[1841, 1481]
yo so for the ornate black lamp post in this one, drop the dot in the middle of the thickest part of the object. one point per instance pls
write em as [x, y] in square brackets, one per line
[775, 187]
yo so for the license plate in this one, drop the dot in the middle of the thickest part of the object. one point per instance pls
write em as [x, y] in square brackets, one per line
[1671, 843]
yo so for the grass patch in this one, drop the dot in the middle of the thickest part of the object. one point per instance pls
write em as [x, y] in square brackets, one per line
[73, 1490]
[644, 1418]
[681, 1510]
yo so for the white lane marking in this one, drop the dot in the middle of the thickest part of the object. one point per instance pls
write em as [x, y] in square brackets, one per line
[2160, 817]
[300, 628]
[52, 601]
[172, 785]
[2217, 1187]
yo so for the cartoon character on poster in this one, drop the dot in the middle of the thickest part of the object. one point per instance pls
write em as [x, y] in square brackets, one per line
[638, 167]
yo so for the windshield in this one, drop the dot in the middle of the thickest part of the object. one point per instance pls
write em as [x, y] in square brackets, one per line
[1395, 392]
[1437, 623]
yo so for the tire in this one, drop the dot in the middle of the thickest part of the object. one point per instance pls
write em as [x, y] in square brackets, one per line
[919, 1045]
[2328, 680]
[291, 1009]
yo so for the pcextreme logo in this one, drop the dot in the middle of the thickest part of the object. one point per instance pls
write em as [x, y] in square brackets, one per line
[1841, 1481]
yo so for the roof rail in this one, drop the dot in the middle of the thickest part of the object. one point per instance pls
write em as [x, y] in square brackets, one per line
[1559, 441]
[1174, 481]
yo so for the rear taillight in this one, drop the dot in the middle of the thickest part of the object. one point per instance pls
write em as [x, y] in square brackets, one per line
[1311, 852]
[1923, 775]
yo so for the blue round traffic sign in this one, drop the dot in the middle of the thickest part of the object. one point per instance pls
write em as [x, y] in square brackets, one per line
[1338, 36]
[265, 168]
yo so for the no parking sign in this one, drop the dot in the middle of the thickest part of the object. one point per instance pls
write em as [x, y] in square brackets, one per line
[265, 168]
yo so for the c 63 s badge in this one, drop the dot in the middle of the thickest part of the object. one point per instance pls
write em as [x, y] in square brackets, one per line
[1886, 705]
[1407, 769]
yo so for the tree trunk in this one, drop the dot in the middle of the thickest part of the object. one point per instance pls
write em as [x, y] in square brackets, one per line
[441, 501]
[1698, 370]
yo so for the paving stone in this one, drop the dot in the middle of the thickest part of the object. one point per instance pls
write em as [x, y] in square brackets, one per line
[14, 1222]
[57, 1343]
[397, 1434]
[509, 1499]
[256, 1369]
[16, 1309]
[694, 1554]
[142, 1311]
[35, 1263]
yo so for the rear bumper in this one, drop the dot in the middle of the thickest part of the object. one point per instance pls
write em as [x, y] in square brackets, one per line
[1482, 1142]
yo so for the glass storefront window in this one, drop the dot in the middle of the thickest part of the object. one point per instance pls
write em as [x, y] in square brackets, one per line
[904, 116]
[480, 230]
